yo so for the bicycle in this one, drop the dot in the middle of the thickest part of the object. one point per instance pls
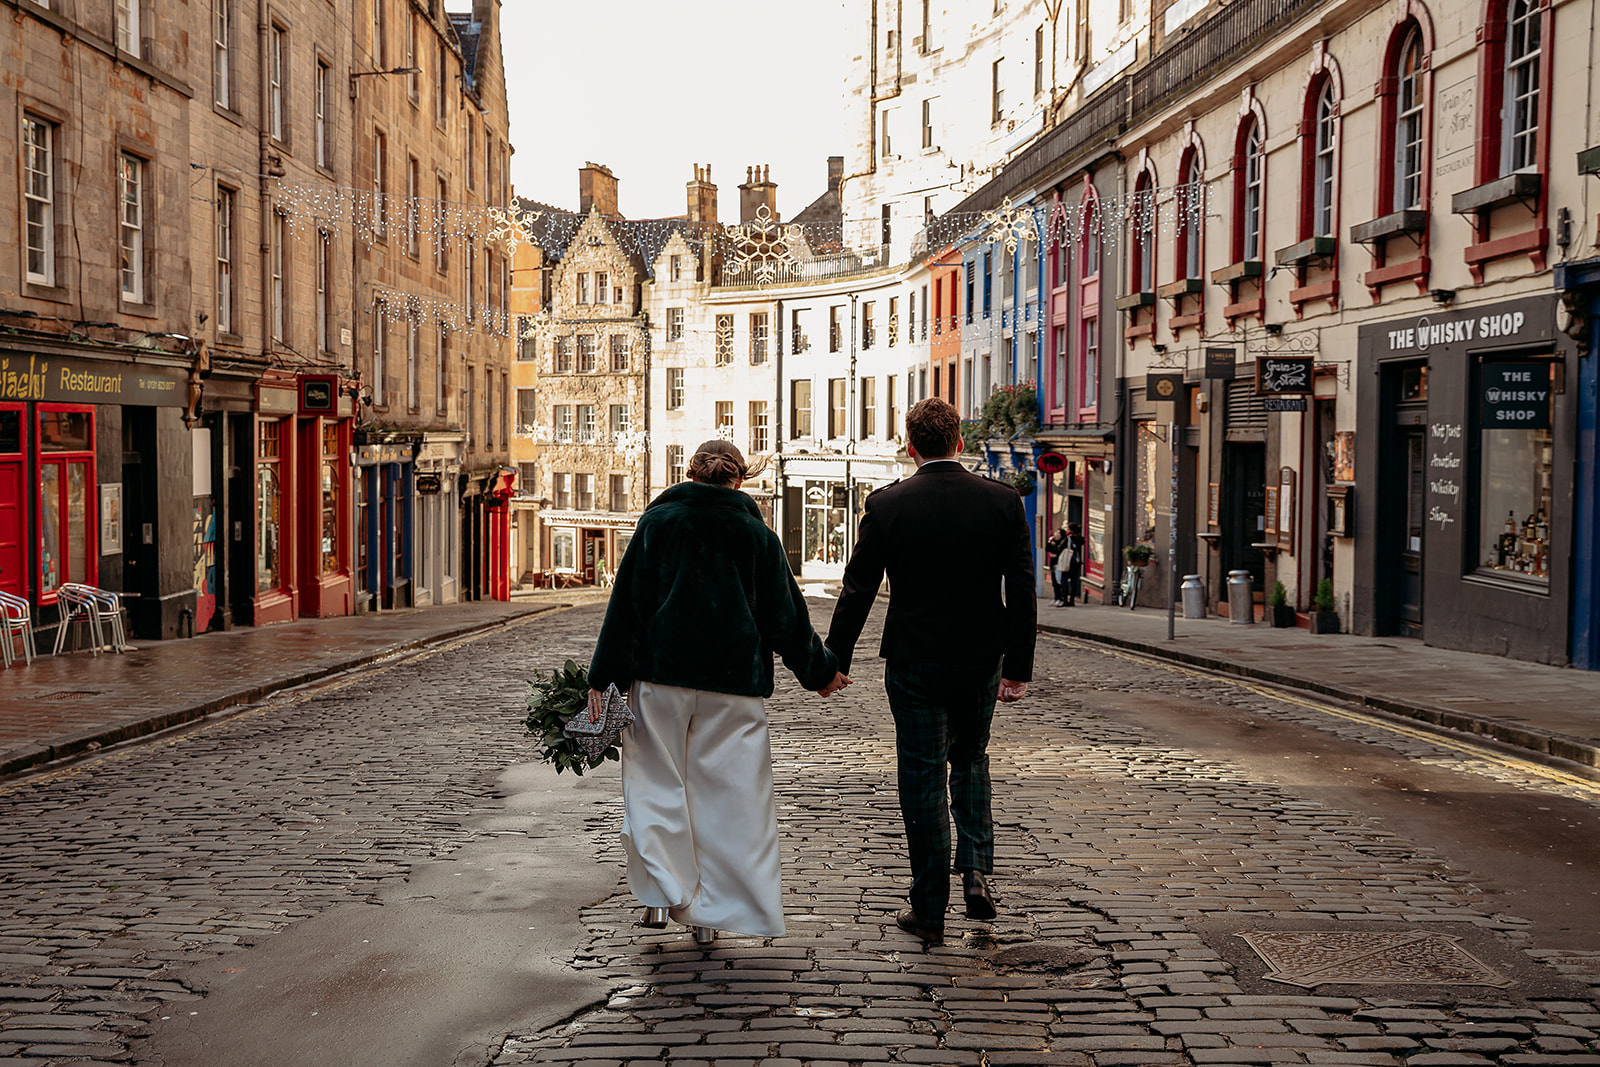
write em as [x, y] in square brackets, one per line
[1130, 586]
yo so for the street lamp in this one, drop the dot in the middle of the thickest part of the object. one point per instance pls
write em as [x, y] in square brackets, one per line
[370, 73]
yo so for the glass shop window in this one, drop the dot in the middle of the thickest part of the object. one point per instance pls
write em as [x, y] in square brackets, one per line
[332, 453]
[269, 506]
[563, 549]
[1515, 461]
[67, 531]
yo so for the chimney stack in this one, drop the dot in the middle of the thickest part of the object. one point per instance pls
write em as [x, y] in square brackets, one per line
[597, 188]
[702, 196]
[835, 173]
[758, 189]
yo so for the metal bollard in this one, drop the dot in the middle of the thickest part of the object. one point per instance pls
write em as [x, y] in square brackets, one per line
[1194, 597]
[1241, 604]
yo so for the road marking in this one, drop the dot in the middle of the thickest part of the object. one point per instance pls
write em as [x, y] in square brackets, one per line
[1488, 755]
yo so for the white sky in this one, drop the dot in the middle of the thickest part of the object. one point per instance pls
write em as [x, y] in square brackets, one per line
[652, 87]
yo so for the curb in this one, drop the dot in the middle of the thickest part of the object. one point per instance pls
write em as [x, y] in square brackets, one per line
[22, 759]
[1560, 746]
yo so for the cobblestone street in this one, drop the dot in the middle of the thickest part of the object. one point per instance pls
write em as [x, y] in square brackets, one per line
[1128, 868]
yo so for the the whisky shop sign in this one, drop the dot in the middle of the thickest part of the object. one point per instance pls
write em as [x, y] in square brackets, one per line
[70, 381]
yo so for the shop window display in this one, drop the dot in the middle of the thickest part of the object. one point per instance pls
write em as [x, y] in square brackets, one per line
[1514, 503]
[269, 508]
[331, 454]
[66, 480]
[824, 523]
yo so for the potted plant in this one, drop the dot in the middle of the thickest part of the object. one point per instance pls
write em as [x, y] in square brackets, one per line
[1137, 554]
[1323, 619]
[1282, 615]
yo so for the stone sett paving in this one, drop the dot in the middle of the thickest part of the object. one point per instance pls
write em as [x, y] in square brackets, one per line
[119, 871]
[1110, 850]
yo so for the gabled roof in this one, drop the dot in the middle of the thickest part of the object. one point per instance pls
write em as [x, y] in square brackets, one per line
[467, 33]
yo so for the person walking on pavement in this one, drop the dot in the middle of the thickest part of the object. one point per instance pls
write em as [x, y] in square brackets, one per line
[1069, 566]
[948, 541]
[701, 601]
[1053, 561]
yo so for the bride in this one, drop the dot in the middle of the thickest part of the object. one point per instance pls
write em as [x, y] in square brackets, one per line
[701, 601]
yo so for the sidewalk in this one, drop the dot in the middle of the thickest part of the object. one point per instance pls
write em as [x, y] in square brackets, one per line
[1552, 710]
[63, 705]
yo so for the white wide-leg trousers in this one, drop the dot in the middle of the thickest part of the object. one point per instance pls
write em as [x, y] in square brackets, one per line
[700, 824]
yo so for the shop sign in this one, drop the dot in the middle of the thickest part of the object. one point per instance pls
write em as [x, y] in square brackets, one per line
[428, 484]
[1283, 403]
[318, 394]
[1504, 325]
[71, 381]
[1051, 462]
[1516, 396]
[1221, 364]
[1163, 386]
[1283, 374]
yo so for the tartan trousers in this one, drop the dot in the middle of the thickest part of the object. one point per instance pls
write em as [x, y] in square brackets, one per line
[941, 721]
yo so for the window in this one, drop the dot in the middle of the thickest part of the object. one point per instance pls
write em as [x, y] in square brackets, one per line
[413, 40]
[441, 261]
[527, 340]
[1248, 195]
[413, 348]
[226, 199]
[675, 467]
[1143, 252]
[1089, 368]
[869, 409]
[563, 546]
[886, 148]
[39, 190]
[619, 493]
[472, 153]
[927, 124]
[505, 409]
[561, 357]
[380, 209]
[927, 26]
[620, 421]
[925, 315]
[324, 254]
[869, 333]
[67, 530]
[891, 417]
[413, 208]
[674, 388]
[619, 353]
[527, 414]
[587, 427]
[334, 453]
[894, 319]
[724, 340]
[972, 277]
[838, 413]
[835, 338]
[583, 288]
[380, 33]
[1190, 229]
[222, 52]
[128, 26]
[380, 355]
[911, 316]
[130, 196]
[561, 424]
[441, 109]
[527, 479]
[758, 337]
[799, 409]
[586, 354]
[1408, 150]
[469, 389]
[760, 427]
[675, 268]
[320, 90]
[1519, 133]
[269, 506]
[996, 96]
[1322, 169]
[1515, 453]
[602, 287]
[584, 494]
[887, 227]
[277, 58]
[561, 493]
[469, 255]
[441, 383]
[674, 324]
[277, 256]
[988, 283]
[724, 416]
[797, 343]
[1038, 59]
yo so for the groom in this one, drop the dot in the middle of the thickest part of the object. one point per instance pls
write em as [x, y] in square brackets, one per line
[948, 540]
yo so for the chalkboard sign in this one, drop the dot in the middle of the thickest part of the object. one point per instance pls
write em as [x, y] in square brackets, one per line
[1276, 375]
[1516, 396]
[1271, 529]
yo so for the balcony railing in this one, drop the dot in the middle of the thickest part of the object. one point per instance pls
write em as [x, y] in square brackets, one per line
[785, 270]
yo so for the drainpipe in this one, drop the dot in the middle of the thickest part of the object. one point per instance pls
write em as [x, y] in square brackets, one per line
[850, 434]
[265, 169]
[780, 505]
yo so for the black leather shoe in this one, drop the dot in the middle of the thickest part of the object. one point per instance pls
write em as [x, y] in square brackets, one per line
[912, 923]
[980, 903]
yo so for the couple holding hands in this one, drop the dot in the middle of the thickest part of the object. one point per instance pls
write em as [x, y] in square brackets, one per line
[703, 599]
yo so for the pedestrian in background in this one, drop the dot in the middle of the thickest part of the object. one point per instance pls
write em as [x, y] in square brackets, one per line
[948, 541]
[1069, 566]
[702, 599]
[1053, 562]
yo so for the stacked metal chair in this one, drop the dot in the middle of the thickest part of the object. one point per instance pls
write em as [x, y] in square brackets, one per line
[97, 608]
[16, 621]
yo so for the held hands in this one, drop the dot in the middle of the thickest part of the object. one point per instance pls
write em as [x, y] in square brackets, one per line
[838, 683]
[1011, 692]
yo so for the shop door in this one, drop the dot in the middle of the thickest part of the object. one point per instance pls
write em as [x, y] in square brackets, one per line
[1405, 542]
[1244, 517]
[13, 504]
[591, 552]
[793, 515]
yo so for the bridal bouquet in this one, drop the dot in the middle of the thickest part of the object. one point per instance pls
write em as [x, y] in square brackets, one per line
[556, 699]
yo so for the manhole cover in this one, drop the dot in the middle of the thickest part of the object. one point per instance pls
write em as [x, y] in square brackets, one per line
[1309, 959]
[69, 694]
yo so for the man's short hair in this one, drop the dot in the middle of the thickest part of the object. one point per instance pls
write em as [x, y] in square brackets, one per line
[933, 428]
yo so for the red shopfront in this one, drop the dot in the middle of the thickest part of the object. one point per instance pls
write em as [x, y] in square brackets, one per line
[302, 524]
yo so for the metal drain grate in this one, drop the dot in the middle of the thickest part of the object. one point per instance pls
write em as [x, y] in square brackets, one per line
[1312, 958]
[69, 694]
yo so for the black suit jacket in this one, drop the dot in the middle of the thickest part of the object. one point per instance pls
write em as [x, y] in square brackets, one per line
[950, 542]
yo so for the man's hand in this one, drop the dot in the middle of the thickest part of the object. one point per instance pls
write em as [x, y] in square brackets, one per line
[838, 683]
[597, 705]
[1011, 692]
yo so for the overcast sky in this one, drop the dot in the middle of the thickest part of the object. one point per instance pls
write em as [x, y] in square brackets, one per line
[652, 87]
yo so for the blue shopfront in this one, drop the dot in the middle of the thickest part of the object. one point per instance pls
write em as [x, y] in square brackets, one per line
[384, 494]
[1579, 317]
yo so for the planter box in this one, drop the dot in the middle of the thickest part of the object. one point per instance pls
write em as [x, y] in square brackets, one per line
[1410, 220]
[1323, 622]
[1312, 248]
[1280, 616]
[1522, 187]
[1237, 272]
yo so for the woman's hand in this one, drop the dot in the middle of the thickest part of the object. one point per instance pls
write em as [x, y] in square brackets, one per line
[838, 683]
[597, 705]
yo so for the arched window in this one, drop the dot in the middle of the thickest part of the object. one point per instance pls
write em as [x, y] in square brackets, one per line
[1409, 105]
[1143, 252]
[1519, 135]
[1190, 224]
[1249, 176]
[1322, 164]
[1088, 303]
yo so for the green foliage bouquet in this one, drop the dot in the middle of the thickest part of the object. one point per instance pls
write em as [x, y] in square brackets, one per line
[552, 700]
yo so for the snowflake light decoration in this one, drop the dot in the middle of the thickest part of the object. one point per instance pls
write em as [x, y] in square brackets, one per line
[764, 247]
[1011, 225]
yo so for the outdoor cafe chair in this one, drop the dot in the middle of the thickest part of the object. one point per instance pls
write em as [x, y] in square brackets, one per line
[109, 606]
[18, 622]
[76, 604]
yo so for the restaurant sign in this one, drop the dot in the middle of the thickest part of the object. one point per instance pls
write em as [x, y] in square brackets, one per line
[72, 381]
